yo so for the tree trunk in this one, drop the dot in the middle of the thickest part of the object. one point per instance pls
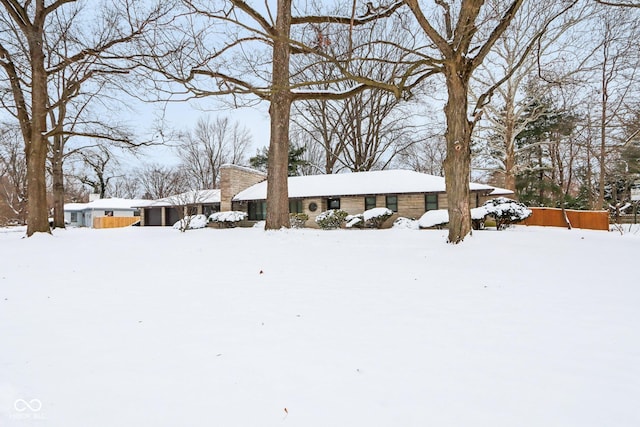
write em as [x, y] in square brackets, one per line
[457, 165]
[36, 146]
[57, 178]
[279, 112]
[540, 177]
[603, 146]
[510, 148]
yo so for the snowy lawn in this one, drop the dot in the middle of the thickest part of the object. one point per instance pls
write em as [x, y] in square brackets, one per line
[241, 327]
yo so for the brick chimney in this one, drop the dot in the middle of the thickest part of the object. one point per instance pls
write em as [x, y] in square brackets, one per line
[234, 179]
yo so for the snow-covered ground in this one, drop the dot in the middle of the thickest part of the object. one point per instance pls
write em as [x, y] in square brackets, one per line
[242, 327]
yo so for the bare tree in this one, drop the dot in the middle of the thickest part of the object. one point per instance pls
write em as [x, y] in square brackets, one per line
[369, 129]
[211, 144]
[252, 56]
[467, 34]
[100, 168]
[185, 205]
[159, 181]
[553, 64]
[26, 29]
[426, 155]
[125, 186]
[13, 175]
[619, 3]
[617, 62]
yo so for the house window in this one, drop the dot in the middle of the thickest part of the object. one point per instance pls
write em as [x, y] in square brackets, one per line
[208, 209]
[295, 206]
[333, 203]
[392, 203]
[74, 216]
[192, 210]
[136, 212]
[257, 210]
[430, 202]
[108, 213]
[369, 202]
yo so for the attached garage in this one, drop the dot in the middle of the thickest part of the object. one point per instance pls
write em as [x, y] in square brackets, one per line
[153, 216]
[168, 211]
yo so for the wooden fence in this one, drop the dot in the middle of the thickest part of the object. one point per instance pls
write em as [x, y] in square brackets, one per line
[114, 221]
[552, 217]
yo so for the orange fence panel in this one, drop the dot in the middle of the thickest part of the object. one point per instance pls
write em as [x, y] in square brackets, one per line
[553, 217]
[114, 221]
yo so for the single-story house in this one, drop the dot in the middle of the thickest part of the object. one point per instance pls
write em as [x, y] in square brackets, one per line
[407, 193]
[83, 214]
[169, 210]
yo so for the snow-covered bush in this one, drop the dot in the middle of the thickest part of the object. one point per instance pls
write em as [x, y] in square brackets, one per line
[228, 219]
[297, 220]
[405, 223]
[478, 216]
[506, 211]
[331, 219]
[374, 218]
[354, 221]
[434, 218]
[191, 222]
[500, 208]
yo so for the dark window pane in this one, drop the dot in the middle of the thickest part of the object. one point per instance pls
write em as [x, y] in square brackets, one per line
[392, 203]
[295, 206]
[430, 202]
[333, 203]
[369, 202]
[257, 211]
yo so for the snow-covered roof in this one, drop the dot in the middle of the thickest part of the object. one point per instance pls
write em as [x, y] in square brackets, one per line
[357, 183]
[74, 207]
[107, 204]
[188, 198]
[497, 191]
[115, 203]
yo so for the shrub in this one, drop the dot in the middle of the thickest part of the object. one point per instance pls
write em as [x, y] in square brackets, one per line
[297, 220]
[434, 218]
[191, 222]
[506, 211]
[228, 219]
[405, 223]
[374, 218]
[331, 219]
[355, 221]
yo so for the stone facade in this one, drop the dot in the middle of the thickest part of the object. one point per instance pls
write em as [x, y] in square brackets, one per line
[234, 179]
[410, 205]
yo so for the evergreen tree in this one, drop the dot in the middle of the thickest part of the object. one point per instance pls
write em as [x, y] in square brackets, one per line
[296, 160]
[537, 183]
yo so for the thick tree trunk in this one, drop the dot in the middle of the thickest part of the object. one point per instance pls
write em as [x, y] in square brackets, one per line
[279, 111]
[36, 146]
[57, 178]
[457, 165]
